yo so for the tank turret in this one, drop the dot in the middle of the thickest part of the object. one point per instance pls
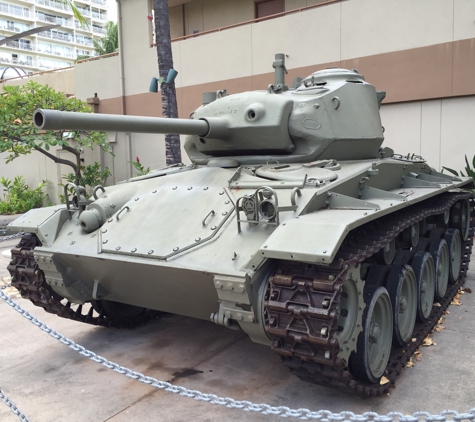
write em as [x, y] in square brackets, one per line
[333, 114]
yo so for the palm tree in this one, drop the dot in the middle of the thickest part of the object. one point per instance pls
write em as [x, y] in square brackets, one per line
[165, 63]
[109, 43]
[77, 14]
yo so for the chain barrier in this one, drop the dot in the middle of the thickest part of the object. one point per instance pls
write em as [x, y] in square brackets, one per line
[266, 409]
[13, 407]
[3, 238]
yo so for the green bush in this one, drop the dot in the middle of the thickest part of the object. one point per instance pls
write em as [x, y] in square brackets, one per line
[469, 169]
[141, 170]
[92, 175]
[19, 197]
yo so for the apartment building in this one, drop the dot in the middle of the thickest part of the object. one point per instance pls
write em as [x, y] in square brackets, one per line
[52, 48]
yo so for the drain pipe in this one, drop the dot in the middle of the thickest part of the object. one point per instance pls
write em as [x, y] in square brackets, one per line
[122, 88]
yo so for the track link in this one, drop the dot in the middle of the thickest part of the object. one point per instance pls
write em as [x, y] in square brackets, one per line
[28, 278]
[302, 310]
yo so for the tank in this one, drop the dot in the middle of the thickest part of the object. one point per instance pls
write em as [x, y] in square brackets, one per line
[291, 223]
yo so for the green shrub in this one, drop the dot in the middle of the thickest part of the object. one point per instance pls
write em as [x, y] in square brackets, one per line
[469, 169]
[141, 170]
[92, 175]
[19, 197]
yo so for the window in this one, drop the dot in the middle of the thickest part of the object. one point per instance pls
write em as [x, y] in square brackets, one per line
[270, 7]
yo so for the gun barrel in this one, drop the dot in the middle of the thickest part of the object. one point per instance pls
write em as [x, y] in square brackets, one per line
[67, 120]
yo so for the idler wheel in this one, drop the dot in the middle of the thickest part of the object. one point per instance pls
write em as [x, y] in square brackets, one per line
[460, 217]
[424, 269]
[402, 289]
[115, 310]
[369, 361]
[386, 255]
[440, 254]
[454, 242]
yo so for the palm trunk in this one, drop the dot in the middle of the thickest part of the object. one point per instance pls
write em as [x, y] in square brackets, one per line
[165, 63]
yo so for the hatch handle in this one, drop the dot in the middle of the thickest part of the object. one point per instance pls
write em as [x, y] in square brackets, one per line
[295, 191]
[98, 187]
[123, 209]
[204, 219]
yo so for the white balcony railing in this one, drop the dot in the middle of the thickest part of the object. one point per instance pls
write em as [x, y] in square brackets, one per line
[54, 4]
[14, 10]
[56, 36]
[54, 19]
[19, 45]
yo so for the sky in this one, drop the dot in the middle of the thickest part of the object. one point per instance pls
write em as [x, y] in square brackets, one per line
[112, 10]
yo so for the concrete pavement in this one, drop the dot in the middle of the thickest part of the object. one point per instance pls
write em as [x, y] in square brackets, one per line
[50, 382]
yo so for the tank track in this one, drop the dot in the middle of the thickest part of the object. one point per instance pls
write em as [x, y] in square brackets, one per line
[304, 334]
[28, 278]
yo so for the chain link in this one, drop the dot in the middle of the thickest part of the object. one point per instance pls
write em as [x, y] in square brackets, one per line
[13, 407]
[266, 409]
[3, 238]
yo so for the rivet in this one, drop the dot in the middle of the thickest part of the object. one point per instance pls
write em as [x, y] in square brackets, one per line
[105, 241]
[228, 314]
[118, 248]
[221, 193]
[174, 187]
[150, 252]
[134, 250]
[197, 239]
[112, 206]
[265, 246]
[73, 242]
[154, 191]
[70, 233]
[191, 187]
[136, 199]
[93, 235]
[226, 202]
[110, 220]
[104, 231]
[175, 249]
[206, 188]
[324, 251]
[213, 228]
[225, 213]
[46, 234]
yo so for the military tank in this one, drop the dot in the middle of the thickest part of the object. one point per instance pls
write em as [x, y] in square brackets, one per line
[292, 224]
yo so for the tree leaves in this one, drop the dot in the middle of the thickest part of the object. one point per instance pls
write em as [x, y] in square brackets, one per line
[109, 43]
[18, 136]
